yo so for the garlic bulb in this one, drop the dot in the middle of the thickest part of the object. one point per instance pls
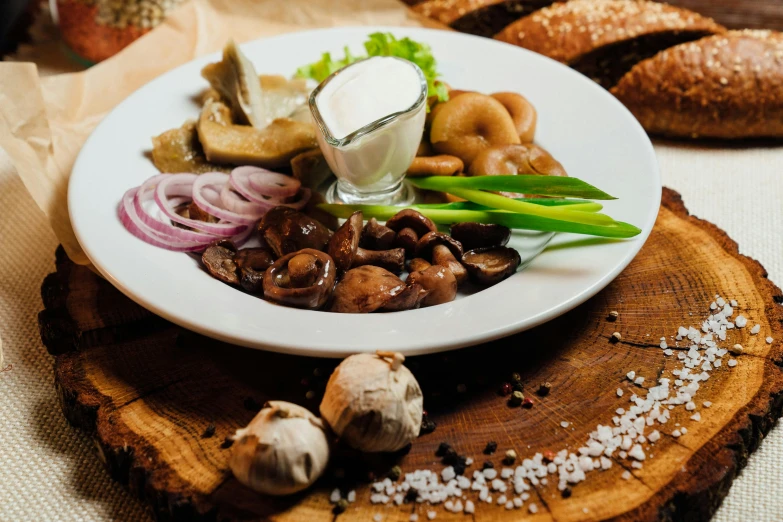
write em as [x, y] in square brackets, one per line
[283, 450]
[373, 402]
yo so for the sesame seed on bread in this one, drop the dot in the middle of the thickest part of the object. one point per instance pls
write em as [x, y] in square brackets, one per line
[605, 38]
[481, 17]
[725, 86]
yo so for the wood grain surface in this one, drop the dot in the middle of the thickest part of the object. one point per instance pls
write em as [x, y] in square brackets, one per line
[146, 392]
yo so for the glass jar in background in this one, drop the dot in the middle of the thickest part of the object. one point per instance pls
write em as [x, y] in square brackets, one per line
[98, 29]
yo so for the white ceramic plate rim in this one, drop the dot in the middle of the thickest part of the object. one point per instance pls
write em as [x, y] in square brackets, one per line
[480, 318]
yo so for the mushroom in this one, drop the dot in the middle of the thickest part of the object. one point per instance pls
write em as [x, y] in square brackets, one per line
[283, 450]
[510, 160]
[373, 402]
[310, 168]
[417, 264]
[219, 259]
[410, 225]
[312, 269]
[441, 249]
[344, 249]
[469, 123]
[178, 150]
[408, 299]
[365, 289]
[286, 230]
[253, 99]
[392, 260]
[270, 147]
[235, 78]
[480, 235]
[522, 113]
[425, 148]
[488, 266]
[376, 236]
[195, 212]
[438, 281]
[302, 270]
[407, 239]
[441, 165]
[252, 263]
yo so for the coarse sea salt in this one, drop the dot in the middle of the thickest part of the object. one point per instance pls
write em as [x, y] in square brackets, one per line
[756, 329]
[628, 436]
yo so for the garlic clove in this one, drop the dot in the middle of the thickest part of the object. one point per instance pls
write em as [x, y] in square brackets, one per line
[283, 450]
[373, 402]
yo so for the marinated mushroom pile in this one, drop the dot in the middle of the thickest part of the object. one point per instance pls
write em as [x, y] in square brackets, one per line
[474, 134]
[362, 267]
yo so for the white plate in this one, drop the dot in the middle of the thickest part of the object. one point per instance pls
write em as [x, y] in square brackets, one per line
[581, 124]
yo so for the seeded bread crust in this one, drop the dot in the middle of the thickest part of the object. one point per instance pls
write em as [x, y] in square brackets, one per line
[727, 86]
[605, 38]
[480, 17]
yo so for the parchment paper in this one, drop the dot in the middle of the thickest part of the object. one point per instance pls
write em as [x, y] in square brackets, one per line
[45, 121]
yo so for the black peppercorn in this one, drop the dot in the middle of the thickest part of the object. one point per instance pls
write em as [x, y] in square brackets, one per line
[341, 506]
[427, 425]
[411, 495]
[459, 469]
[517, 386]
[450, 457]
[395, 473]
[442, 449]
[209, 432]
[227, 443]
[487, 465]
[544, 389]
[491, 447]
[566, 492]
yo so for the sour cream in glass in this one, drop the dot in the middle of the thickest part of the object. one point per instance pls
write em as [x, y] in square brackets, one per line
[371, 117]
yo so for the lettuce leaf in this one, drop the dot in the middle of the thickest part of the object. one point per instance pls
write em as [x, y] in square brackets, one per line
[382, 44]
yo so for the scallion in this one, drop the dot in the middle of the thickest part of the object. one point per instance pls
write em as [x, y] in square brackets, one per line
[523, 184]
[615, 229]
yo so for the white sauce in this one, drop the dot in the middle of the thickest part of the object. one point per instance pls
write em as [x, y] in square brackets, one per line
[366, 92]
[360, 94]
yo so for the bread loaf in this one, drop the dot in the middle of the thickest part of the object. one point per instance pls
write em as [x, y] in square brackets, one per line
[481, 17]
[726, 86]
[603, 39]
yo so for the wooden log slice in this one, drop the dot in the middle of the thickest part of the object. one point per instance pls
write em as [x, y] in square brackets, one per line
[148, 393]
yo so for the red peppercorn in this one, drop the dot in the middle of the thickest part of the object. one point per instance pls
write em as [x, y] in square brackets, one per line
[549, 456]
[527, 403]
[506, 389]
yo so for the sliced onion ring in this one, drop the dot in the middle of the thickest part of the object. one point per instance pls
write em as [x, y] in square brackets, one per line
[169, 185]
[257, 184]
[134, 224]
[218, 178]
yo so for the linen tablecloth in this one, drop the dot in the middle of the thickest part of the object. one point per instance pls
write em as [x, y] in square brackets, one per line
[50, 471]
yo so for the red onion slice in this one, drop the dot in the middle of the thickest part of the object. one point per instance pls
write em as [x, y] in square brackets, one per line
[257, 184]
[134, 225]
[171, 185]
[234, 202]
[141, 201]
[210, 179]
